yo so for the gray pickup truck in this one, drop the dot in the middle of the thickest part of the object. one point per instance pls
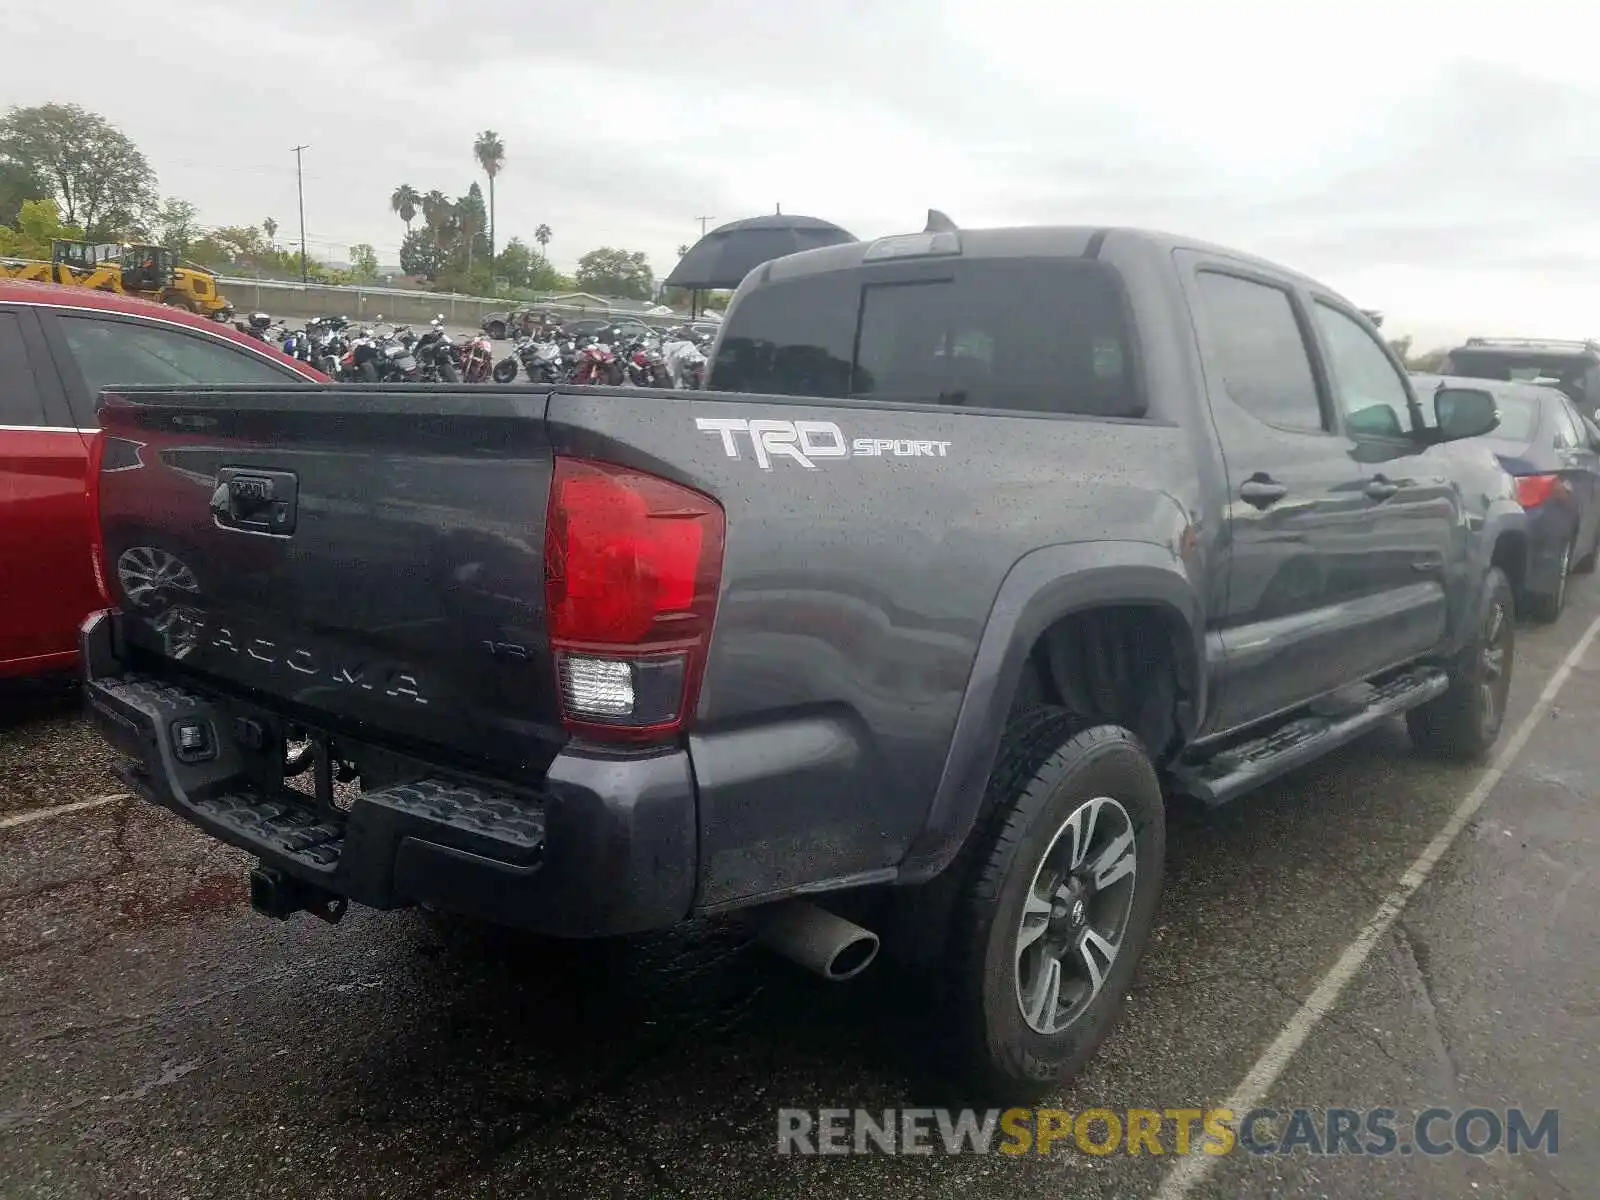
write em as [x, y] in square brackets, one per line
[979, 542]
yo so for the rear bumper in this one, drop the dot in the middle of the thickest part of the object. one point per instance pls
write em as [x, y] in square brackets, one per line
[601, 846]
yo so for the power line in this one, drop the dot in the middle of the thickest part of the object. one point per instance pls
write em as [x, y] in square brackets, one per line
[300, 191]
[703, 221]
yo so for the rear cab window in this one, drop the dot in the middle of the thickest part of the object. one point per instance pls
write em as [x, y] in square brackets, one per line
[1020, 335]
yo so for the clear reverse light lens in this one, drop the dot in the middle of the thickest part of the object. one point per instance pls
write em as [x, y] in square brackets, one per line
[599, 687]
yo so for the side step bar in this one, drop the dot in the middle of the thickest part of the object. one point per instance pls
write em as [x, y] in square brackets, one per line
[1302, 740]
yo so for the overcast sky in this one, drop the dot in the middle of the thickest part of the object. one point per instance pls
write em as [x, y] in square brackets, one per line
[1440, 166]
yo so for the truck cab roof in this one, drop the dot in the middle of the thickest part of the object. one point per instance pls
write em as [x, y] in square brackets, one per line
[1024, 241]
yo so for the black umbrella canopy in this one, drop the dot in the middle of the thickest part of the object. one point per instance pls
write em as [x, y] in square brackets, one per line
[729, 252]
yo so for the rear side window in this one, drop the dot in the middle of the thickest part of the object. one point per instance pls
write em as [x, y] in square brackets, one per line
[1567, 435]
[1254, 341]
[1015, 334]
[19, 391]
[125, 354]
[1519, 418]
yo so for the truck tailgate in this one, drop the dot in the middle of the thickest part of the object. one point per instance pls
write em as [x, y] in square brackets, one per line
[362, 557]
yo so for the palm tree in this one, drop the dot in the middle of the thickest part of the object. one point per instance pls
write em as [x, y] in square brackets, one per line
[542, 235]
[404, 203]
[491, 152]
[683, 250]
[270, 228]
[436, 208]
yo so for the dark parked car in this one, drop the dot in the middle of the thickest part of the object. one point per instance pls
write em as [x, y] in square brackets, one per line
[979, 540]
[1553, 452]
[1572, 366]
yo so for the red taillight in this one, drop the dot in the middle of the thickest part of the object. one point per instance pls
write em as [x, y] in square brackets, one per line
[632, 565]
[97, 538]
[1534, 490]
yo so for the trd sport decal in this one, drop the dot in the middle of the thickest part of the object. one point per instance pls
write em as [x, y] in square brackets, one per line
[804, 441]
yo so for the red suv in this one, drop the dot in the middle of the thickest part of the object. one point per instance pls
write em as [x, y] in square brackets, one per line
[59, 346]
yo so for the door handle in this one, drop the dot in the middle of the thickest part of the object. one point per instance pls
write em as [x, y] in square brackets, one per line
[1381, 489]
[1261, 491]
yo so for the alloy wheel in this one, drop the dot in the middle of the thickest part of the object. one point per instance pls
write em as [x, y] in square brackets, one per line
[1494, 677]
[1075, 915]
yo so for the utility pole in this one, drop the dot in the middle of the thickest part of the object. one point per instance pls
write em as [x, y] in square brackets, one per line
[300, 188]
[703, 221]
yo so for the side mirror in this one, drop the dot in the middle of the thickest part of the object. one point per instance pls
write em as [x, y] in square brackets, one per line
[1464, 413]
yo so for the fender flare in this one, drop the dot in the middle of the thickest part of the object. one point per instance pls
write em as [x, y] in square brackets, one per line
[1042, 587]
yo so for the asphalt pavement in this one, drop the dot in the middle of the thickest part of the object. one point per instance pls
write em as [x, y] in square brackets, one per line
[1324, 944]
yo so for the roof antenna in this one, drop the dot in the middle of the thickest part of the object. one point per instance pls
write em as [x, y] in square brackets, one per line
[939, 223]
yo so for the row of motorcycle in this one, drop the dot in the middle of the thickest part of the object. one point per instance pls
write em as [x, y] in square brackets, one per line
[380, 353]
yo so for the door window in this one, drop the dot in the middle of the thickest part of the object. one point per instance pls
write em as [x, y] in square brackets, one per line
[126, 353]
[1369, 389]
[1254, 341]
[1568, 436]
[19, 389]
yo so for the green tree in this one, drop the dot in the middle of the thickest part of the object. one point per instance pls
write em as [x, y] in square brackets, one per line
[98, 177]
[514, 264]
[270, 228]
[176, 225]
[545, 278]
[363, 263]
[491, 155]
[542, 235]
[472, 227]
[621, 273]
[683, 250]
[18, 183]
[436, 209]
[404, 204]
[421, 256]
[38, 224]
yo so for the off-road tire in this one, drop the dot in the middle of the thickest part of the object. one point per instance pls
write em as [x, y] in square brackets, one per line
[1462, 724]
[1044, 771]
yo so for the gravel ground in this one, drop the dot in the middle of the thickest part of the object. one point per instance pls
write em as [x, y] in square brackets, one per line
[159, 1039]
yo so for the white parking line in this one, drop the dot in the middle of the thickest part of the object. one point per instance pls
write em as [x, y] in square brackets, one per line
[1190, 1171]
[60, 810]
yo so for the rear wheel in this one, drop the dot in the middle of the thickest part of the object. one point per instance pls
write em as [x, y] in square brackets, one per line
[1058, 907]
[1465, 721]
[497, 331]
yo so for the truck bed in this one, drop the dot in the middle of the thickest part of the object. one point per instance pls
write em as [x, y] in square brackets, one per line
[865, 547]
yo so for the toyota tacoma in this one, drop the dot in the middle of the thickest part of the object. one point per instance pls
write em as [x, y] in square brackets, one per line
[979, 544]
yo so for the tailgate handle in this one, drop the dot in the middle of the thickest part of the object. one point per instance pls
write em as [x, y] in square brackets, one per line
[253, 501]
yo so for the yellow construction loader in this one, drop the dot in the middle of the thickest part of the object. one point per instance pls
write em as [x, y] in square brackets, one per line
[152, 272]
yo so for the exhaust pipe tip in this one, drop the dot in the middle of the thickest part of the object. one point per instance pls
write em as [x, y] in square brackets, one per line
[823, 942]
[853, 958]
